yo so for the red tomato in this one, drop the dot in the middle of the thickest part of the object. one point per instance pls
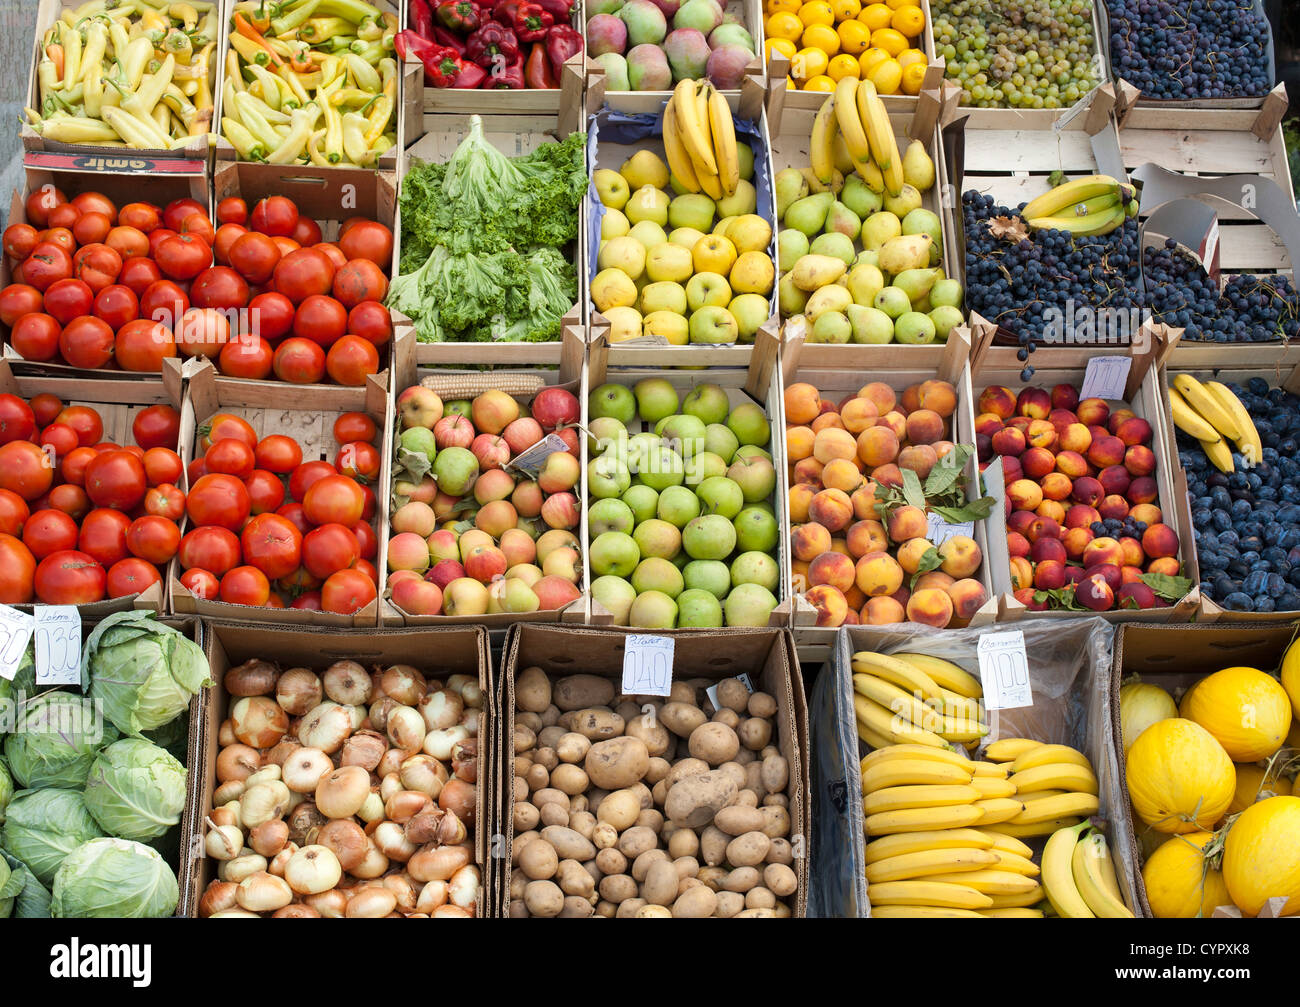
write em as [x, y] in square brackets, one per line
[87, 342]
[103, 535]
[198, 225]
[138, 273]
[272, 544]
[70, 499]
[265, 490]
[73, 468]
[47, 264]
[329, 548]
[89, 228]
[369, 503]
[278, 453]
[86, 421]
[275, 215]
[131, 576]
[366, 539]
[19, 240]
[13, 513]
[45, 407]
[358, 460]
[60, 437]
[41, 201]
[25, 469]
[347, 592]
[219, 287]
[371, 321]
[286, 245]
[308, 601]
[332, 252]
[60, 236]
[165, 302]
[95, 202]
[17, 568]
[202, 332]
[143, 216]
[200, 583]
[69, 299]
[117, 305]
[368, 568]
[69, 577]
[153, 538]
[19, 299]
[232, 210]
[116, 478]
[98, 265]
[271, 315]
[248, 356]
[367, 239]
[48, 531]
[304, 272]
[334, 498]
[351, 359]
[157, 237]
[17, 421]
[321, 319]
[245, 585]
[183, 256]
[128, 242]
[218, 499]
[162, 466]
[213, 549]
[165, 500]
[231, 457]
[224, 240]
[354, 427]
[293, 512]
[195, 470]
[64, 215]
[157, 426]
[359, 280]
[179, 209]
[227, 425]
[307, 475]
[299, 361]
[306, 232]
[297, 582]
[254, 256]
[142, 345]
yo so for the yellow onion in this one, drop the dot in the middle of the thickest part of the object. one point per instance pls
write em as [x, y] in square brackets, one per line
[252, 678]
[404, 683]
[346, 840]
[303, 771]
[371, 902]
[347, 682]
[237, 762]
[312, 870]
[298, 691]
[364, 749]
[423, 773]
[460, 797]
[262, 892]
[326, 727]
[297, 911]
[341, 793]
[258, 721]
[217, 896]
[331, 905]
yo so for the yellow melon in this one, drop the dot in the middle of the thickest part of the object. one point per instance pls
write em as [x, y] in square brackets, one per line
[1252, 787]
[1261, 857]
[1247, 711]
[1141, 705]
[1179, 777]
[1179, 883]
[1291, 677]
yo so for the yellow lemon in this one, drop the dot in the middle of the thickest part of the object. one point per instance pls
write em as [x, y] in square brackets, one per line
[782, 45]
[913, 76]
[784, 24]
[871, 59]
[909, 56]
[809, 63]
[820, 36]
[854, 37]
[842, 66]
[782, 7]
[908, 21]
[876, 16]
[887, 76]
[817, 12]
[846, 10]
[895, 4]
[820, 83]
[889, 40]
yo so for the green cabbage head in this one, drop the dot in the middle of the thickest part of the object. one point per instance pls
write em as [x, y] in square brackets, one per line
[114, 878]
[44, 826]
[135, 790]
[56, 736]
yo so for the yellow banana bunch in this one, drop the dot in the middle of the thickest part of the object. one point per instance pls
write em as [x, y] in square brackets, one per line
[1212, 414]
[700, 140]
[1078, 875]
[854, 114]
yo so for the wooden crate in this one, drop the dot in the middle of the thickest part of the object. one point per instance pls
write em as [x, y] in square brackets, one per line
[513, 135]
[791, 132]
[305, 414]
[855, 367]
[759, 382]
[408, 371]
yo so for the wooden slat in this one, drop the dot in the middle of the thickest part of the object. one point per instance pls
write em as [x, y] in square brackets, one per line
[1198, 151]
[1011, 150]
[1249, 247]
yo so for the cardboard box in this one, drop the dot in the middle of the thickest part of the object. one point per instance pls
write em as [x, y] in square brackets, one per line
[195, 148]
[308, 416]
[405, 374]
[118, 402]
[897, 366]
[1146, 398]
[763, 654]
[460, 651]
[118, 175]
[760, 383]
[1070, 675]
[1175, 657]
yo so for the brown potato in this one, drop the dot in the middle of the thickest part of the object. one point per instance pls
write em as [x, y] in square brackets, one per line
[569, 778]
[628, 908]
[583, 823]
[776, 774]
[544, 898]
[742, 879]
[733, 695]
[617, 763]
[611, 861]
[761, 704]
[654, 734]
[570, 845]
[529, 720]
[780, 852]
[729, 905]
[651, 819]
[641, 865]
[777, 822]
[729, 718]
[598, 723]
[539, 860]
[714, 743]
[660, 886]
[576, 908]
[747, 850]
[576, 692]
[684, 768]
[636, 841]
[697, 903]
[682, 718]
[683, 843]
[695, 800]
[617, 888]
[620, 809]
[553, 814]
[780, 879]
[737, 819]
[525, 816]
[713, 845]
[755, 733]
[532, 690]
[574, 879]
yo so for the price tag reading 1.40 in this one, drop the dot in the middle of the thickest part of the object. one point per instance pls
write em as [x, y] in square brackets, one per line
[1004, 670]
[648, 665]
[15, 634]
[58, 645]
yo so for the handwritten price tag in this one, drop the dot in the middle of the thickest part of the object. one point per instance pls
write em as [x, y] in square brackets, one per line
[648, 665]
[938, 531]
[15, 633]
[58, 645]
[1004, 670]
[1105, 378]
[530, 460]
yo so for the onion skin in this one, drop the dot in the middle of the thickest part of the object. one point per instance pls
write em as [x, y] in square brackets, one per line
[460, 797]
[302, 819]
[298, 691]
[346, 840]
[405, 684]
[423, 827]
[365, 749]
[347, 682]
[252, 678]
[261, 892]
[269, 838]
[330, 905]
[296, 911]
[217, 896]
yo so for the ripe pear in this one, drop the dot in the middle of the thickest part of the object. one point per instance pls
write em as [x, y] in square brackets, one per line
[921, 221]
[789, 186]
[814, 271]
[916, 283]
[644, 168]
[878, 229]
[946, 293]
[870, 325]
[945, 318]
[743, 200]
[918, 166]
[914, 328]
[809, 214]
[858, 198]
[831, 297]
[843, 220]
[835, 244]
[909, 251]
[745, 155]
[790, 298]
[907, 200]
[831, 327]
[868, 257]
[865, 281]
[790, 246]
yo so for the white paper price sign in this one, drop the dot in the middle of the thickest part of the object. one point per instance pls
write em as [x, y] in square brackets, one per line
[531, 459]
[15, 633]
[58, 645]
[1004, 670]
[939, 530]
[648, 665]
[1105, 378]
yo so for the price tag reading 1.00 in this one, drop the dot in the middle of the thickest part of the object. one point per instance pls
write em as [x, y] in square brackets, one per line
[15, 634]
[58, 645]
[1004, 670]
[648, 665]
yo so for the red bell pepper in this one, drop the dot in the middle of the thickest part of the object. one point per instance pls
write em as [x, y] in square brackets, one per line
[504, 11]
[531, 22]
[537, 71]
[491, 44]
[411, 43]
[561, 11]
[441, 65]
[443, 36]
[459, 15]
[420, 17]
[471, 75]
[562, 42]
[509, 74]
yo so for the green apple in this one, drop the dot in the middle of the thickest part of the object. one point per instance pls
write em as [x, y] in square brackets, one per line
[694, 210]
[914, 328]
[615, 554]
[607, 435]
[686, 237]
[678, 506]
[608, 477]
[683, 432]
[663, 296]
[750, 311]
[755, 568]
[749, 424]
[710, 536]
[639, 448]
[656, 574]
[719, 439]
[649, 233]
[707, 575]
[658, 538]
[756, 530]
[660, 469]
[420, 441]
[643, 502]
[698, 610]
[945, 318]
[755, 476]
[616, 595]
[625, 253]
[750, 233]
[870, 325]
[612, 288]
[708, 403]
[669, 261]
[720, 495]
[655, 398]
[743, 200]
[647, 203]
[893, 302]
[704, 465]
[946, 293]
[831, 327]
[705, 289]
[750, 451]
[653, 610]
[612, 400]
[610, 514]
[611, 188]
[713, 325]
[614, 224]
[749, 605]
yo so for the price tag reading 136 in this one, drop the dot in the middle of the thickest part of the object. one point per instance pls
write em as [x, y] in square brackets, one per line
[1004, 670]
[648, 665]
[58, 645]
